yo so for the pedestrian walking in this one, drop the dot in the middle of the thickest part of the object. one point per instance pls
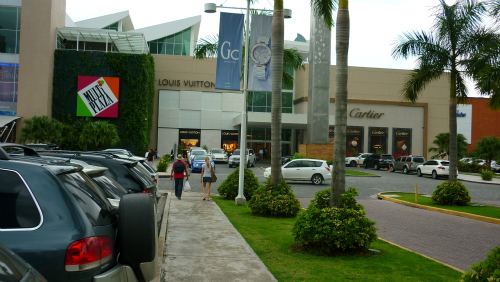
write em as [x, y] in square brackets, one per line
[179, 171]
[150, 156]
[207, 173]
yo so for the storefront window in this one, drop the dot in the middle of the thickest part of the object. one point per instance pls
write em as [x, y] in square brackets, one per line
[10, 26]
[229, 140]
[189, 138]
[176, 44]
[261, 102]
[401, 143]
[354, 139]
[8, 88]
[377, 140]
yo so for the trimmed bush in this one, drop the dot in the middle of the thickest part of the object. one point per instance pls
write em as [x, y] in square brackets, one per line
[451, 193]
[487, 270]
[486, 174]
[332, 230]
[278, 201]
[474, 168]
[98, 135]
[229, 188]
[163, 163]
[42, 129]
[297, 155]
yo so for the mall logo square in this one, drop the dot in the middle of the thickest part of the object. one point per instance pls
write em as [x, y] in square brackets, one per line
[97, 96]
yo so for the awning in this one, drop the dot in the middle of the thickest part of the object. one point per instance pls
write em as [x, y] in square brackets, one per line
[4, 120]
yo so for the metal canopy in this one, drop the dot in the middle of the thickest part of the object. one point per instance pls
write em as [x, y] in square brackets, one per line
[125, 42]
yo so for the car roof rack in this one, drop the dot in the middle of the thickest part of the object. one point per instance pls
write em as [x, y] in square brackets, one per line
[27, 151]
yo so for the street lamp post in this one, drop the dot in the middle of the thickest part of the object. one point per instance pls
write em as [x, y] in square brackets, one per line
[211, 8]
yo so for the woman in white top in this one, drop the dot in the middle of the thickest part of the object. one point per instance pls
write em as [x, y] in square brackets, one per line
[206, 179]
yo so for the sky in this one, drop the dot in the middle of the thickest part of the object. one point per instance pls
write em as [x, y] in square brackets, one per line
[375, 25]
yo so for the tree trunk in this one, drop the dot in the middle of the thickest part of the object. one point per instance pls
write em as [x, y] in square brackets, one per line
[453, 149]
[277, 44]
[342, 49]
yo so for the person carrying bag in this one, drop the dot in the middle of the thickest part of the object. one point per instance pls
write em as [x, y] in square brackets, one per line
[207, 177]
[179, 171]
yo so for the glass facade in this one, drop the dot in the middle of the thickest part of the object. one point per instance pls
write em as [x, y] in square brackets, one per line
[8, 88]
[112, 26]
[176, 44]
[10, 29]
[261, 101]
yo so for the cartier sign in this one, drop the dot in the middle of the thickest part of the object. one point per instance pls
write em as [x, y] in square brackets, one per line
[358, 113]
[185, 83]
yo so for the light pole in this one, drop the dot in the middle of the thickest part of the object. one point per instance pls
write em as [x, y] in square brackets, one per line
[212, 8]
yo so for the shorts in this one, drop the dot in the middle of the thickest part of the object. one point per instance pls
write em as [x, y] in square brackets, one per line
[207, 179]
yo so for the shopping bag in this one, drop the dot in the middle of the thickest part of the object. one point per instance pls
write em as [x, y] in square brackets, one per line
[187, 186]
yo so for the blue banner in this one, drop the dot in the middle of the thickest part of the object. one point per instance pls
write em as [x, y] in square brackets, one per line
[259, 63]
[229, 51]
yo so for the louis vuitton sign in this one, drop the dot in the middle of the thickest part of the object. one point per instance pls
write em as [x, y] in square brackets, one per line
[185, 83]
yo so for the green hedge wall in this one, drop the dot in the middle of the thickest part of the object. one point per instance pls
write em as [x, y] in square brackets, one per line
[136, 73]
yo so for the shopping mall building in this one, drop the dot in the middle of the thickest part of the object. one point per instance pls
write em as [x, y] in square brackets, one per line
[188, 109]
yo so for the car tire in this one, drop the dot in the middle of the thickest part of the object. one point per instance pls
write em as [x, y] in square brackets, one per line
[353, 164]
[419, 173]
[137, 231]
[434, 174]
[317, 179]
[376, 167]
[405, 170]
[230, 166]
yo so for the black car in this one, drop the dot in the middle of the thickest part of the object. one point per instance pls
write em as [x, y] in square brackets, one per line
[378, 161]
[57, 219]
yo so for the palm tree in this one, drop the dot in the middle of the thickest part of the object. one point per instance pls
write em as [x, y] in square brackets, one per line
[451, 46]
[442, 148]
[324, 8]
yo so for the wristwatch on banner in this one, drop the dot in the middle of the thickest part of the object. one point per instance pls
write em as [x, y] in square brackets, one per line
[261, 55]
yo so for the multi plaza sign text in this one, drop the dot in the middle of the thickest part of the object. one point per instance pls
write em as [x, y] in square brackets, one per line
[185, 83]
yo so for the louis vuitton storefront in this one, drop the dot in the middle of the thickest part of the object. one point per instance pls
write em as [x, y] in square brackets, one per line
[379, 120]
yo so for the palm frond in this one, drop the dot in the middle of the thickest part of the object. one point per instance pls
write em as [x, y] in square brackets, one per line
[418, 79]
[461, 92]
[415, 44]
[292, 59]
[324, 8]
[206, 47]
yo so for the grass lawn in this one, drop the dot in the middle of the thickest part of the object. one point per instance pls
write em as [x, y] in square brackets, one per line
[272, 240]
[350, 172]
[489, 211]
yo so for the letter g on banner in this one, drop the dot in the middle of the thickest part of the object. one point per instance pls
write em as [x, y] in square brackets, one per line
[228, 71]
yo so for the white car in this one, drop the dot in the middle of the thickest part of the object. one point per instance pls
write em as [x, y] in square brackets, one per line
[234, 159]
[435, 168]
[356, 160]
[316, 171]
[218, 155]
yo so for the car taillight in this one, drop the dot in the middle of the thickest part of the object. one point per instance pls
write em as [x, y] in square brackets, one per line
[88, 253]
[440, 167]
[146, 190]
[327, 168]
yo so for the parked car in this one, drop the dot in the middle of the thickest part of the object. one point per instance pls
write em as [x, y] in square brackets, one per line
[218, 155]
[127, 155]
[407, 164]
[316, 171]
[234, 159]
[57, 219]
[198, 162]
[356, 160]
[435, 168]
[378, 161]
[495, 166]
[196, 153]
[14, 268]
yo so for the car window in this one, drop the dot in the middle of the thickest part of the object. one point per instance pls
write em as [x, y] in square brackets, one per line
[142, 174]
[88, 197]
[19, 209]
[387, 157]
[291, 164]
[418, 160]
[317, 163]
[446, 163]
[431, 163]
[365, 155]
[111, 188]
[236, 152]
[217, 151]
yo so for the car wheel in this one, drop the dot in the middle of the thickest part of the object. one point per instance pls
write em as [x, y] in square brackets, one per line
[376, 167]
[137, 231]
[230, 166]
[317, 179]
[434, 174]
[353, 164]
[419, 173]
[405, 170]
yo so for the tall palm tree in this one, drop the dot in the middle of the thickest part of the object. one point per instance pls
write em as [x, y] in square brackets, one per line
[325, 9]
[457, 36]
[277, 46]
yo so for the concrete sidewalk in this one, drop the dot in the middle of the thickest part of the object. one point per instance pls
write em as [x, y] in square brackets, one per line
[478, 179]
[202, 245]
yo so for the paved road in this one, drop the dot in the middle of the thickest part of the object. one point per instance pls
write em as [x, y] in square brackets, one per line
[451, 239]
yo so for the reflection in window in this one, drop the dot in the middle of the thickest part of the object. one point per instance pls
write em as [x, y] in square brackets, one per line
[261, 101]
[10, 26]
[8, 88]
[176, 44]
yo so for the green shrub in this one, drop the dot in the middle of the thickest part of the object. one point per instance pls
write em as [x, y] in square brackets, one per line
[42, 129]
[163, 163]
[332, 230]
[229, 188]
[451, 193]
[487, 270]
[347, 199]
[98, 135]
[297, 156]
[486, 174]
[279, 201]
[466, 167]
[329, 162]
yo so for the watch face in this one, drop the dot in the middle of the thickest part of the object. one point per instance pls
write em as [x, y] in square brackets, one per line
[261, 54]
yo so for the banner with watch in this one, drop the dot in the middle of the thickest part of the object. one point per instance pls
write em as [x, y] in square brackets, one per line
[229, 50]
[259, 67]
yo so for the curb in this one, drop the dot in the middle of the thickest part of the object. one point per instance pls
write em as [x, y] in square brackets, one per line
[420, 254]
[162, 237]
[451, 212]
[480, 181]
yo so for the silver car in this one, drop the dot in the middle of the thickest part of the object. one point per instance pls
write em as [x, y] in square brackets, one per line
[407, 164]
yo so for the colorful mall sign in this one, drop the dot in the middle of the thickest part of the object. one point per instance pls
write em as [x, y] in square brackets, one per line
[97, 96]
